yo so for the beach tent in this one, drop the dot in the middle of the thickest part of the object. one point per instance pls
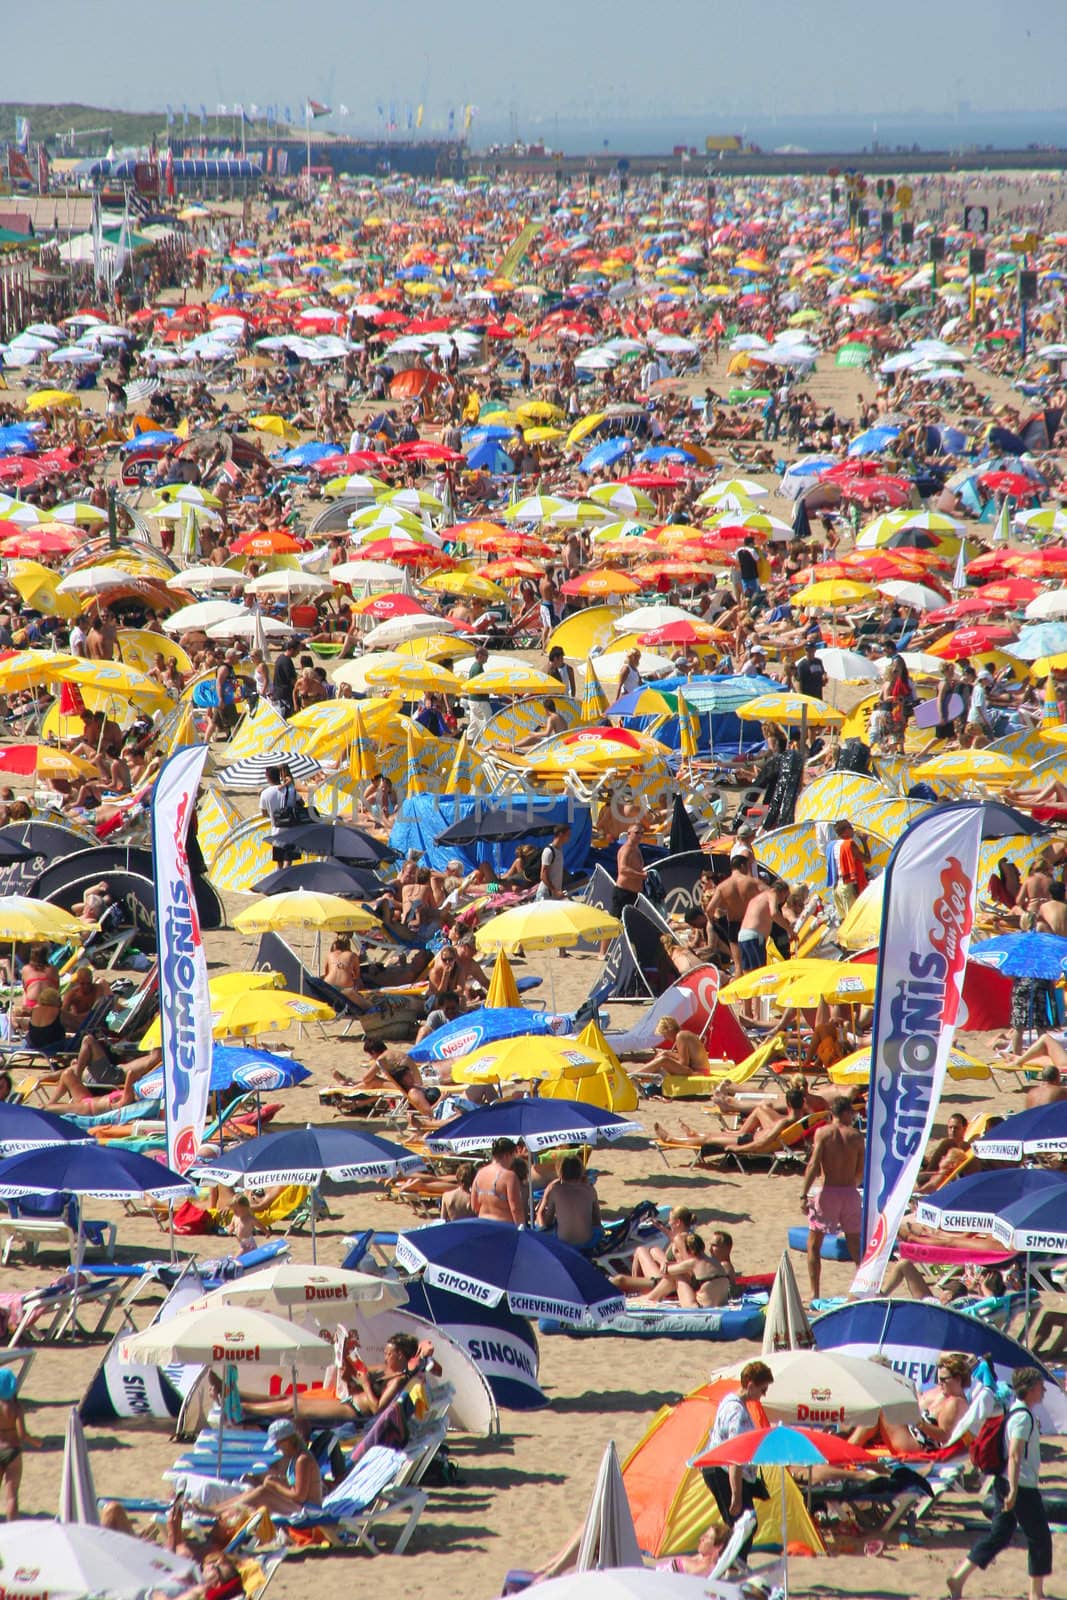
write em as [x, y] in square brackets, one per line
[671, 1505]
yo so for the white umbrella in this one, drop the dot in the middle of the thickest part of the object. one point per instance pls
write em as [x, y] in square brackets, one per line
[197, 578]
[77, 1496]
[71, 1561]
[846, 663]
[368, 574]
[218, 1334]
[608, 666]
[914, 660]
[202, 615]
[823, 1388]
[627, 1583]
[96, 580]
[642, 619]
[354, 673]
[786, 1325]
[326, 1292]
[916, 595]
[289, 581]
[397, 630]
[1052, 603]
[178, 510]
[251, 625]
[608, 1537]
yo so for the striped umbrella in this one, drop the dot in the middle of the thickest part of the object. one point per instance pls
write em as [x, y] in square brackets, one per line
[251, 771]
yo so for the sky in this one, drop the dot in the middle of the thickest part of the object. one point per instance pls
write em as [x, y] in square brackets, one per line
[523, 68]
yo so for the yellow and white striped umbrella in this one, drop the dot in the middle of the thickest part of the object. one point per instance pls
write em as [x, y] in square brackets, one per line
[837, 794]
[243, 858]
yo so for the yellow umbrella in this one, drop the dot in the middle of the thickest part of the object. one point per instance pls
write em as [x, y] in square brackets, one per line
[974, 766]
[417, 677]
[303, 908]
[436, 647]
[241, 1016]
[22, 918]
[29, 669]
[269, 422]
[51, 400]
[546, 925]
[769, 980]
[861, 924]
[790, 708]
[856, 1068]
[833, 592]
[524, 1058]
[115, 678]
[585, 426]
[541, 435]
[611, 1087]
[139, 646]
[503, 990]
[851, 984]
[577, 636]
[37, 587]
[539, 411]
[514, 677]
[466, 583]
[51, 763]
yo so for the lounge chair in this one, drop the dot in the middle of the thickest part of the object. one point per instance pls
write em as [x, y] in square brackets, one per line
[42, 1221]
[377, 1487]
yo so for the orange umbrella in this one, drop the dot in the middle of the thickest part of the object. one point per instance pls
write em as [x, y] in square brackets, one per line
[266, 542]
[597, 583]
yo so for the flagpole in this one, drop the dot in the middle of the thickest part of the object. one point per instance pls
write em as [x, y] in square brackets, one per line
[307, 138]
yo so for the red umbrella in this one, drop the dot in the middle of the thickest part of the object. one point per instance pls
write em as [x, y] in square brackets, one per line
[266, 542]
[1013, 483]
[392, 605]
[653, 480]
[969, 605]
[994, 564]
[403, 551]
[878, 490]
[414, 381]
[972, 641]
[1008, 592]
[856, 468]
[1051, 562]
[786, 1446]
[49, 542]
[353, 461]
[681, 632]
[425, 450]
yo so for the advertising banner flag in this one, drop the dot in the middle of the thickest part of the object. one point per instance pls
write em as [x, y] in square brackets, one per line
[184, 1000]
[927, 912]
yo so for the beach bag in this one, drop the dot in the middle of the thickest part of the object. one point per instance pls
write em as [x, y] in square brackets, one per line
[987, 1449]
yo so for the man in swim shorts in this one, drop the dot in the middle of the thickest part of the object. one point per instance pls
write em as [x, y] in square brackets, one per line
[836, 1168]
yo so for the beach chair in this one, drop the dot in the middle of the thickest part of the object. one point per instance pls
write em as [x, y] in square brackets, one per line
[722, 1072]
[51, 1312]
[784, 1148]
[51, 1221]
[375, 1488]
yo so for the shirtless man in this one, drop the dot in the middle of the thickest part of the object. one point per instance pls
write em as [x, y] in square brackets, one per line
[496, 1194]
[729, 900]
[1051, 915]
[761, 913]
[570, 1202]
[836, 1165]
[1048, 1089]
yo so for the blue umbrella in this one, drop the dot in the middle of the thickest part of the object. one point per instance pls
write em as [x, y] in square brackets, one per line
[484, 1026]
[718, 693]
[605, 454]
[1036, 1223]
[27, 1128]
[663, 452]
[154, 439]
[1023, 955]
[1038, 1131]
[1040, 639]
[86, 1169]
[873, 441]
[541, 1124]
[972, 1204]
[492, 1261]
[307, 1156]
[304, 455]
[242, 1065]
[489, 457]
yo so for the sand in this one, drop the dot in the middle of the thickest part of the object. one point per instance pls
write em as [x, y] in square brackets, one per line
[521, 1496]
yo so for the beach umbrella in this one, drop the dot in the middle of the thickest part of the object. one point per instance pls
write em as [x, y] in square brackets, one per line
[493, 1262]
[73, 1561]
[1024, 955]
[812, 1387]
[484, 1026]
[971, 1204]
[545, 925]
[846, 664]
[25, 1127]
[523, 1058]
[784, 707]
[541, 1124]
[783, 1447]
[625, 1583]
[307, 1156]
[294, 1287]
[1037, 1131]
[322, 877]
[1050, 603]
[22, 918]
[250, 772]
[335, 839]
[973, 766]
[208, 1335]
[491, 825]
[249, 1012]
[785, 1324]
[303, 908]
[243, 1065]
[77, 1495]
[608, 1538]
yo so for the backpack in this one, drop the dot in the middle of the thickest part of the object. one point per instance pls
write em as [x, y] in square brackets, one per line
[987, 1449]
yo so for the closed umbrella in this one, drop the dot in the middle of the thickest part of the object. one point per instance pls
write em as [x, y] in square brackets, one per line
[495, 1262]
[608, 1538]
[786, 1325]
[77, 1496]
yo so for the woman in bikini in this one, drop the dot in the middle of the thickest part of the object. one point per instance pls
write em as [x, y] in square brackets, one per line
[353, 1387]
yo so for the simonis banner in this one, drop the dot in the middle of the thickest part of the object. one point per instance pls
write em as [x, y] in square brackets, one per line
[184, 1001]
[502, 1346]
[136, 1393]
[927, 912]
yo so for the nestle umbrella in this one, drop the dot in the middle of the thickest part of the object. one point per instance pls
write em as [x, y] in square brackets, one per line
[1023, 955]
[490, 1262]
[485, 1025]
[28, 1128]
[541, 1124]
[1038, 1131]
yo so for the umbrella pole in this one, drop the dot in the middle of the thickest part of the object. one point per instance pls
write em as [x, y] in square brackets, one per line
[1026, 1307]
[79, 1248]
[170, 1229]
[785, 1538]
[314, 1208]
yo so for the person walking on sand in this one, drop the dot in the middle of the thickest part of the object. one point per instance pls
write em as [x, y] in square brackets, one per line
[1017, 1493]
[836, 1166]
[736, 1489]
